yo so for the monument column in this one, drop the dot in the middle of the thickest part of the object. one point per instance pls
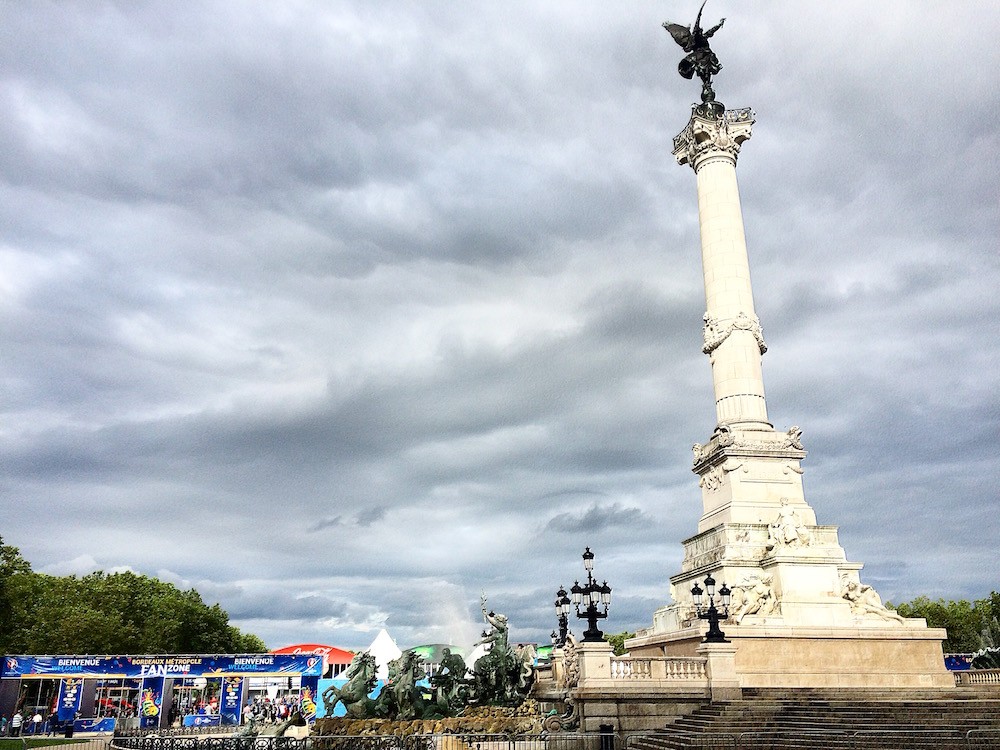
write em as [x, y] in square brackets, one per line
[734, 340]
[800, 616]
[747, 469]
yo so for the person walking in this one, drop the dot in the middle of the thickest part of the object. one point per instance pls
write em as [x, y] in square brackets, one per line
[15, 724]
[36, 723]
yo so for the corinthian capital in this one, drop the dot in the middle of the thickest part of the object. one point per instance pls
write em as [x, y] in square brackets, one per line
[706, 136]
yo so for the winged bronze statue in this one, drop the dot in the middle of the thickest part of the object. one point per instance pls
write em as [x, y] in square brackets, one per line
[700, 60]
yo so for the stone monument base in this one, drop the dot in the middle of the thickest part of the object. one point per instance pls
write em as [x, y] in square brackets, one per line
[885, 658]
[523, 719]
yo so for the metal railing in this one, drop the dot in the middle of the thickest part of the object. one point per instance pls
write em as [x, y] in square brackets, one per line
[554, 741]
[181, 731]
[820, 739]
[83, 743]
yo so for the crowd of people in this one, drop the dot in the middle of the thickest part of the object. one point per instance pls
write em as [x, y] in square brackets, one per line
[29, 723]
[266, 711]
[261, 710]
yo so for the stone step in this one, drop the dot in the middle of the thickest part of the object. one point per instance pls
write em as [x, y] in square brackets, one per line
[823, 715]
[807, 722]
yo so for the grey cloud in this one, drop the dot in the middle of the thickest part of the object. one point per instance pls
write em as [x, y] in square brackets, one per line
[371, 515]
[326, 523]
[599, 517]
[420, 287]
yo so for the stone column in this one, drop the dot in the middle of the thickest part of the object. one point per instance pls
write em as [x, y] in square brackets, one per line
[595, 661]
[723, 679]
[734, 340]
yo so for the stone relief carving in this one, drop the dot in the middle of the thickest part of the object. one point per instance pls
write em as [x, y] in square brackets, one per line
[716, 332]
[571, 663]
[711, 480]
[753, 597]
[687, 615]
[865, 601]
[794, 438]
[787, 529]
[700, 451]
[568, 721]
[734, 465]
[724, 437]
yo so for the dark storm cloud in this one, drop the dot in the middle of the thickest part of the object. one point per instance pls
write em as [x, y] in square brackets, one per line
[599, 517]
[369, 516]
[326, 523]
[419, 287]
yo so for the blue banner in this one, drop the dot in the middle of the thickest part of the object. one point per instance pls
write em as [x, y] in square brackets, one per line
[68, 702]
[308, 697]
[94, 725]
[232, 700]
[162, 666]
[150, 702]
[202, 720]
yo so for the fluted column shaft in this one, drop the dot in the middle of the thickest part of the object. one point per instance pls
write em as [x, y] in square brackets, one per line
[733, 337]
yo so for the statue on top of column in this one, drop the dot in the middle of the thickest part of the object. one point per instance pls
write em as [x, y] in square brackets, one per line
[700, 60]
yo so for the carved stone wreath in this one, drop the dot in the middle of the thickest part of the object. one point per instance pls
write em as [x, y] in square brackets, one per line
[716, 332]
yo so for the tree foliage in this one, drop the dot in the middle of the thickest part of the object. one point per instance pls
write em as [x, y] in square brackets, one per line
[108, 613]
[971, 625]
[617, 641]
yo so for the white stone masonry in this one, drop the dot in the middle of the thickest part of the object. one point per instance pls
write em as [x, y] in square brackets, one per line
[733, 337]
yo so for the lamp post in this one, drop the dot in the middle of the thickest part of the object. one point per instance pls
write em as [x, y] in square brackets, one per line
[714, 634]
[562, 615]
[590, 597]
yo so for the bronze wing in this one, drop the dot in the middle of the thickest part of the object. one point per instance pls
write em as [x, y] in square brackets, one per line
[681, 34]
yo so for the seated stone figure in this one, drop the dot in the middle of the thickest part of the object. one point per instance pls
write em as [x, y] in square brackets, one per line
[865, 600]
[753, 597]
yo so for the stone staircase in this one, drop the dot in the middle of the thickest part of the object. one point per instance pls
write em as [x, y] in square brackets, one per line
[811, 719]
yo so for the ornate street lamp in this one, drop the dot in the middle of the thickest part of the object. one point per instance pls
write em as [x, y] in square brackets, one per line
[714, 617]
[562, 615]
[594, 598]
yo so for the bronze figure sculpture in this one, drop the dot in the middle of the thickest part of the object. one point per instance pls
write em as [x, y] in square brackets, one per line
[700, 60]
[503, 676]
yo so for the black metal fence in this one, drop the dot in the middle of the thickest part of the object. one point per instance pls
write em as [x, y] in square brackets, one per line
[559, 741]
[177, 731]
[864, 739]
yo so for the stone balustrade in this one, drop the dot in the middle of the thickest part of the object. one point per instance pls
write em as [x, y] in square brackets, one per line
[658, 668]
[977, 677]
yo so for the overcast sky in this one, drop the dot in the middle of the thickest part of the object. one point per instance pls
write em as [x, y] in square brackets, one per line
[344, 312]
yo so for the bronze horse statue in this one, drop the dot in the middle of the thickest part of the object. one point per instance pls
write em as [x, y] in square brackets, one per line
[361, 680]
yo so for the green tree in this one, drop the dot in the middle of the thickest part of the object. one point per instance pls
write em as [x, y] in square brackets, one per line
[15, 573]
[617, 641]
[967, 623]
[101, 613]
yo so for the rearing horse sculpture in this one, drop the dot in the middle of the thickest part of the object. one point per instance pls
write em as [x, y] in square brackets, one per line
[361, 680]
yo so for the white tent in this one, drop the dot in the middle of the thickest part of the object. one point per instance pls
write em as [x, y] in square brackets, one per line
[384, 649]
